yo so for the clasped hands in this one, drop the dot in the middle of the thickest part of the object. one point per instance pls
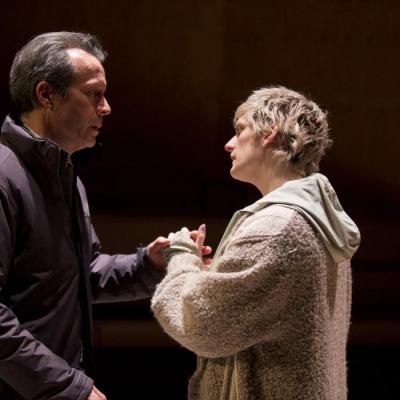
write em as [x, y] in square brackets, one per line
[162, 249]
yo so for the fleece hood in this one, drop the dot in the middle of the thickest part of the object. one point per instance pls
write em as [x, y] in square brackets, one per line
[315, 198]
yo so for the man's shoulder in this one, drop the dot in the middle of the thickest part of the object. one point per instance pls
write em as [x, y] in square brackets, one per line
[7, 158]
[9, 164]
[5, 153]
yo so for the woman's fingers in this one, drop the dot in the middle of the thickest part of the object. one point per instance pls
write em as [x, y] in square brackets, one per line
[206, 250]
[201, 237]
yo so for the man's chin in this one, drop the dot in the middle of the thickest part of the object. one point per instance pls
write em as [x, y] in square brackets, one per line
[88, 145]
[91, 140]
[92, 143]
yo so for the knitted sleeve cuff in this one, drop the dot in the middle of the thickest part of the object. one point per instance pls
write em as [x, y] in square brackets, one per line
[185, 262]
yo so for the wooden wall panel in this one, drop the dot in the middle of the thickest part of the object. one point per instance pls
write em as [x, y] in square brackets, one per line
[178, 69]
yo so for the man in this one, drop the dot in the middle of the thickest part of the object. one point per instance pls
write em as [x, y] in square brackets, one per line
[269, 318]
[51, 265]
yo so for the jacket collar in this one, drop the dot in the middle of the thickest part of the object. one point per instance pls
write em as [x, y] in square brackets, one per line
[43, 157]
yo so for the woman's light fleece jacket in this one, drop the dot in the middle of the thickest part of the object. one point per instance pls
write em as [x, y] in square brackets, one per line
[269, 319]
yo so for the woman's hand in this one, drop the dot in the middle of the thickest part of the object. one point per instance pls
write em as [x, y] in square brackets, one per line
[157, 258]
[199, 238]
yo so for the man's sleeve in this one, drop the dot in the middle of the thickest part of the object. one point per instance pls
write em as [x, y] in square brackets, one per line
[122, 277]
[26, 364]
[119, 277]
[31, 369]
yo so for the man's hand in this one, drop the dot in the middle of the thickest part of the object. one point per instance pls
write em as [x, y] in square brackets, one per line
[154, 252]
[95, 394]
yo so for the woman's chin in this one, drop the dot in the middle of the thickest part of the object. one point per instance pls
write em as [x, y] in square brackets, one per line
[235, 175]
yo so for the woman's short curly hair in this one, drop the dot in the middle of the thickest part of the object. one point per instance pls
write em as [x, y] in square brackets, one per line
[302, 126]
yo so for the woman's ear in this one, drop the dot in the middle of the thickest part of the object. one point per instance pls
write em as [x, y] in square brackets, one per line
[44, 94]
[269, 137]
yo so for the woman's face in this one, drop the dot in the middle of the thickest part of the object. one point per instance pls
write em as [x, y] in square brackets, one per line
[246, 152]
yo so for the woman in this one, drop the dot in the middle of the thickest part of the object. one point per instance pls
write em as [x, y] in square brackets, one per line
[269, 318]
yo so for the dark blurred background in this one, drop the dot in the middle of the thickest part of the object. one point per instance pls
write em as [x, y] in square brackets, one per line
[176, 71]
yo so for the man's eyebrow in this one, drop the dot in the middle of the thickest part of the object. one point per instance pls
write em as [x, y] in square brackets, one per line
[96, 85]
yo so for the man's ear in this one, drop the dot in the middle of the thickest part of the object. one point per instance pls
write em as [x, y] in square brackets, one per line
[269, 137]
[45, 94]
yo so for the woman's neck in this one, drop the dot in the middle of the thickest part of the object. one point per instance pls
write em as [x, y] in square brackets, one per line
[276, 175]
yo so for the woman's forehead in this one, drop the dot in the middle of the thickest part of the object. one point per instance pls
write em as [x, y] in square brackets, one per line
[241, 111]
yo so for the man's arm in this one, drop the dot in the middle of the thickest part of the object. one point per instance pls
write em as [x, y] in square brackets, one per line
[26, 364]
[123, 277]
[31, 369]
[119, 277]
[132, 276]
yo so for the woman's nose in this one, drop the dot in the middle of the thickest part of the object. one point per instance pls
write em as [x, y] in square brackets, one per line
[229, 145]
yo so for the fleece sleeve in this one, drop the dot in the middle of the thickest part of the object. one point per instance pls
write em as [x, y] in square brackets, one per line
[260, 274]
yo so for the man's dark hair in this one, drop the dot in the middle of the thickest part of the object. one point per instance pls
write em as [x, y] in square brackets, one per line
[44, 58]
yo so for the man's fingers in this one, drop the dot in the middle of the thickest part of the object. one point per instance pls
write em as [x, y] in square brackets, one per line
[95, 394]
[160, 243]
[154, 252]
[100, 394]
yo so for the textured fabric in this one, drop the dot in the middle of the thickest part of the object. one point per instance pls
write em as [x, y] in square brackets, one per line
[315, 198]
[270, 319]
[50, 266]
[180, 242]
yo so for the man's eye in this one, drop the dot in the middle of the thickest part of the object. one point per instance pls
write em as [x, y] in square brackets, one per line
[96, 94]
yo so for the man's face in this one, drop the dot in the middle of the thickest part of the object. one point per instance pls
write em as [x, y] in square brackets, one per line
[75, 120]
[246, 152]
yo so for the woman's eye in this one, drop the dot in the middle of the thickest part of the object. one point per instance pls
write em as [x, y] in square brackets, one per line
[238, 131]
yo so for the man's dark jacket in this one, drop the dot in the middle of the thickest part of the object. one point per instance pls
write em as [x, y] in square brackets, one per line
[50, 267]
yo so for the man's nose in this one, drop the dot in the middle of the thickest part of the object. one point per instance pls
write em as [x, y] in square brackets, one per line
[104, 107]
